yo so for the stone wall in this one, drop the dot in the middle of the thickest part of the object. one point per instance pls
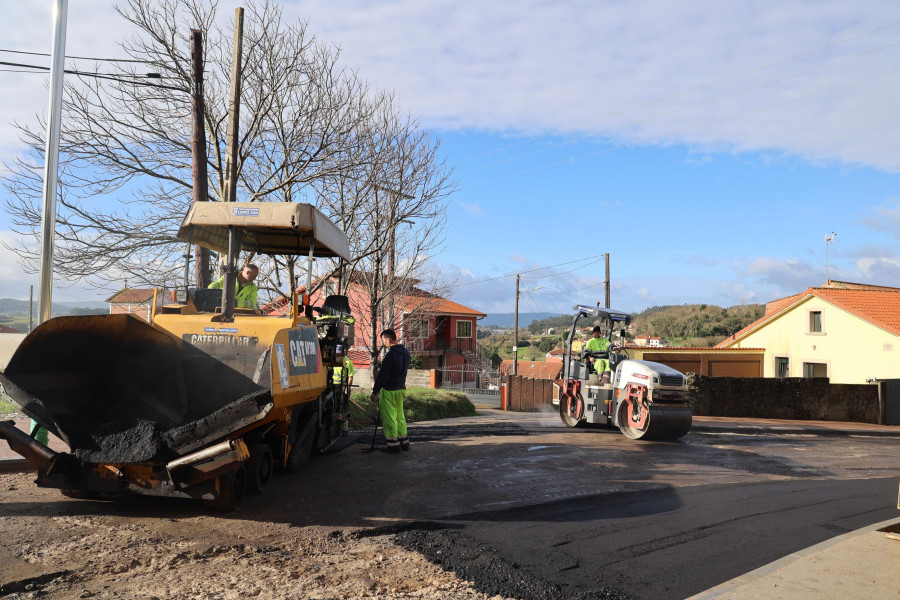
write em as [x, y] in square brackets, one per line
[8, 344]
[414, 378]
[789, 398]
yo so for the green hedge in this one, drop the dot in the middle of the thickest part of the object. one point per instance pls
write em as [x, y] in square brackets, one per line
[421, 404]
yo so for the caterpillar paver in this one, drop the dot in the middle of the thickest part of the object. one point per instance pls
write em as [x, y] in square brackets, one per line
[207, 400]
[645, 400]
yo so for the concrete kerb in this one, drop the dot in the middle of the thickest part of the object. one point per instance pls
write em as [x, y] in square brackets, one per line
[819, 565]
[763, 430]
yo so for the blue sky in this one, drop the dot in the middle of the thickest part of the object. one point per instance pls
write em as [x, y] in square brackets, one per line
[708, 147]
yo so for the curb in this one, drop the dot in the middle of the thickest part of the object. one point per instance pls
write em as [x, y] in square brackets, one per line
[755, 430]
[737, 582]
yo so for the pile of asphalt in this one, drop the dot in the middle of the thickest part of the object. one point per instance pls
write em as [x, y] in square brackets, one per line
[122, 441]
[489, 572]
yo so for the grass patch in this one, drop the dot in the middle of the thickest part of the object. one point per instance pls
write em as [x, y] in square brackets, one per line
[7, 408]
[421, 404]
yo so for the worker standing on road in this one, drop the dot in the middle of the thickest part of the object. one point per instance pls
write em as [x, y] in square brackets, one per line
[390, 392]
[245, 294]
[598, 343]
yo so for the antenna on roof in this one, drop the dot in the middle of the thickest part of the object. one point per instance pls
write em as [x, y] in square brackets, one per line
[828, 239]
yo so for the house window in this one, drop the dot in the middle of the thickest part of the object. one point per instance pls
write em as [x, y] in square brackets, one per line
[417, 328]
[815, 321]
[782, 367]
[815, 370]
[464, 329]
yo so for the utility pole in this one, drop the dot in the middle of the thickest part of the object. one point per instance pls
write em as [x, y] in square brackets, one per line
[516, 332]
[607, 280]
[234, 110]
[393, 222]
[198, 151]
[51, 160]
[231, 153]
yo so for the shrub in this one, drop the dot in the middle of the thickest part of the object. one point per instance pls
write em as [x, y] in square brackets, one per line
[421, 404]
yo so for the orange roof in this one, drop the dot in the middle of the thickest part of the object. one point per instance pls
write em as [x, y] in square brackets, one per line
[438, 306]
[879, 305]
[5, 329]
[533, 368]
[131, 296]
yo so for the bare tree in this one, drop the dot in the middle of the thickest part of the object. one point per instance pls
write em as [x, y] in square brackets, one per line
[125, 165]
[395, 204]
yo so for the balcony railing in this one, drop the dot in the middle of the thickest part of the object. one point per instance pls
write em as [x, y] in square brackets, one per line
[440, 345]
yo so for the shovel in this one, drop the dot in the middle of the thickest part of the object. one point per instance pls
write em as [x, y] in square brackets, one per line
[375, 419]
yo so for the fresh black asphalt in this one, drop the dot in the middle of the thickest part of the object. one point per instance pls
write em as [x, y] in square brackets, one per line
[662, 543]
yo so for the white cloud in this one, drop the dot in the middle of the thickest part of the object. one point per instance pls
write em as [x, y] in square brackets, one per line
[564, 66]
[586, 67]
[472, 209]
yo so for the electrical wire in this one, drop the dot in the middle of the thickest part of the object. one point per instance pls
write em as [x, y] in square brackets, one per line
[124, 60]
[530, 270]
[685, 92]
[596, 285]
[110, 77]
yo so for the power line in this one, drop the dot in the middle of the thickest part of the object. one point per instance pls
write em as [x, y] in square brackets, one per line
[124, 60]
[95, 75]
[596, 285]
[685, 92]
[565, 272]
[530, 270]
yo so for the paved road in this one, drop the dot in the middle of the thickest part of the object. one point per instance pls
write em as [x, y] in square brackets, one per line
[668, 542]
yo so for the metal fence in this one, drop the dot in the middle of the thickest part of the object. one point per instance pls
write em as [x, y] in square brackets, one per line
[471, 381]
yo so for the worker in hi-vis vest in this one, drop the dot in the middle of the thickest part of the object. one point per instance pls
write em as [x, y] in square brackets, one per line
[598, 343]
[245, 294]
[339, 372]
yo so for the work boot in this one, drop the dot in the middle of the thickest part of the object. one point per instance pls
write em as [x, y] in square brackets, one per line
[404, 444]
[391, 449]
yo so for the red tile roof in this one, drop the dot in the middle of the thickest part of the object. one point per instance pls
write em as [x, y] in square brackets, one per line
[131, 296]
[5, 329]
[537, 369]
[438, 306]
[879, 305]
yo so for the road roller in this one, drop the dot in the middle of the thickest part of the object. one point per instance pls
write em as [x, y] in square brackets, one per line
[645, 400]
[206, 400]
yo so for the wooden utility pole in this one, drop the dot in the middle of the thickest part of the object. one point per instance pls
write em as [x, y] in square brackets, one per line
[198, 151]
[516, 332]
[607, 280]
[234, 110]
[226, 263]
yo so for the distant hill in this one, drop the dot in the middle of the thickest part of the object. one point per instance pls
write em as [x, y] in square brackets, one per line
[10, 307]
[508, 319]
[695, 324]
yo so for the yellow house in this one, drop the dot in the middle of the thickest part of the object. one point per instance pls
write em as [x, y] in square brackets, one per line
[848, 332]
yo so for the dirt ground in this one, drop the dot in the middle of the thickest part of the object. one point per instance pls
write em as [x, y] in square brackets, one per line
[54, 547]
[330, 531]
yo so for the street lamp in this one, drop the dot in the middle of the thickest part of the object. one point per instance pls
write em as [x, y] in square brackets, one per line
[828, 239]
[516, 326]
